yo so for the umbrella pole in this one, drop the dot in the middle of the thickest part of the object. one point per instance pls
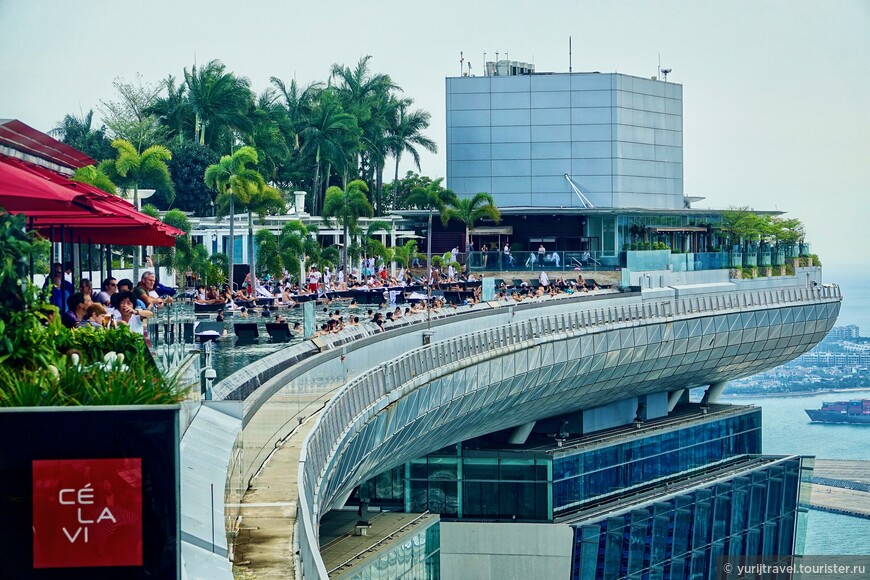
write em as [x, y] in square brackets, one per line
[78, 247]
[72, 261]
[31, 255]
[102, 271]
[63, 296]
[108, 260]
[90, 263]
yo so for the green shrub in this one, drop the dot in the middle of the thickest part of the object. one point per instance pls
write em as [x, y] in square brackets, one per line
[44, 363]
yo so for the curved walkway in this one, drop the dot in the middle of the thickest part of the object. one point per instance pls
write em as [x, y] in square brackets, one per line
[506, 376]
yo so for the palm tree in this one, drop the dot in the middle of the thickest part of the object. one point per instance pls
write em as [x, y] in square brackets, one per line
[93, 176]
[326, 134]
[295, 243]
[79, 133]
[347, 207]
[367, 97]
[472, 209]
[299, 105]
[135, 167]
[406, 133]
[174, 111]
[404, 255]
[179, 258]
[233, 178]
[375, 247]
[219, 101]
[268, 256]
[432, 197]
[263, 202]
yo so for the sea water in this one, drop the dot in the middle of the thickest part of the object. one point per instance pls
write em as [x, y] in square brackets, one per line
[787, 430]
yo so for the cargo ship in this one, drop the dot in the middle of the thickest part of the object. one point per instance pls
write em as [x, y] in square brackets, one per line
[842, 412]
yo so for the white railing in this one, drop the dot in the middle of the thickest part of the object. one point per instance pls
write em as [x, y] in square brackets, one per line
[354, 403]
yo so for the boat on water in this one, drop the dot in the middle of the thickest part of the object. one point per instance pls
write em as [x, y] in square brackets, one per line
[857, 412]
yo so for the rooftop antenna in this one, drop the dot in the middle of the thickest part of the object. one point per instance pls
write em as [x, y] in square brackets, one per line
[469, 68]
[461, 61]
[570, 68]
[485, 72]
[583, 199]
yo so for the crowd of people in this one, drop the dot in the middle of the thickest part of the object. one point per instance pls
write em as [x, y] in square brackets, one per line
[118, 302]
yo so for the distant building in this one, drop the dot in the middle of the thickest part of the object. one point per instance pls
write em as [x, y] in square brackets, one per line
[844, 332]
[619, 139]
[576, 162]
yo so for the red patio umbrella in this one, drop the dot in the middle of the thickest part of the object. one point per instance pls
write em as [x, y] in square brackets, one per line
[21, 191]
[51, 199]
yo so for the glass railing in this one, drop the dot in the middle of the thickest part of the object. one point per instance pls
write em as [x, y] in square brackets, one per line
[750, 260]
[735, 260]
[500, 261]
[711, 260]
[805, 250]
[777, 257]
[764, 258]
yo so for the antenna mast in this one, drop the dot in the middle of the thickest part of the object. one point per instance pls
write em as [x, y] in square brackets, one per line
[570, 68]
[461, 63]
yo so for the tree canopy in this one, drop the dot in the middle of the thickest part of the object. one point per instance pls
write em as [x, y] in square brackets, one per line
[307, 136]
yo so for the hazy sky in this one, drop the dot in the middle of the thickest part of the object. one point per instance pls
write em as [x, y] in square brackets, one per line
[776, 95]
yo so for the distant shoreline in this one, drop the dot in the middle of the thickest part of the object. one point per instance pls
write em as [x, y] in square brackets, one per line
[795, 394]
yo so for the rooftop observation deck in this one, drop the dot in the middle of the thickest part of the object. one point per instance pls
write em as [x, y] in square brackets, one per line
[390, 397]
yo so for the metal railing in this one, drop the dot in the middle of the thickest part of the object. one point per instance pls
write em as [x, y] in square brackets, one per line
[355, 403]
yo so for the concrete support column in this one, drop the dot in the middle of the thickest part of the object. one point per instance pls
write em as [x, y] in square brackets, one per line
[713, 392]
[674, 398]
[521, 433]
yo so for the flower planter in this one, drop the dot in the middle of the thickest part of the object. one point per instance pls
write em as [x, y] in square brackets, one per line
[90, 492]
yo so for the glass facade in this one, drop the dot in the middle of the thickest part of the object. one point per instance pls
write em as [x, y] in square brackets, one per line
[536, 486]
[619, 137]
[682, 536]
[468, 484]
[583, 475]
[417, 556]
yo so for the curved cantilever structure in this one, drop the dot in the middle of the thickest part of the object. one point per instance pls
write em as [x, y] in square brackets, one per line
[509, 375]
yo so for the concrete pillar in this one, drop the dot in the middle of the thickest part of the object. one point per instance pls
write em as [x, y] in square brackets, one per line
[674, 398]
[713, 392]
[299, 202]
[521, 433]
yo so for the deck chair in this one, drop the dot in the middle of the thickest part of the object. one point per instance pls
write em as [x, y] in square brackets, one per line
[279, 331]
[246, 331]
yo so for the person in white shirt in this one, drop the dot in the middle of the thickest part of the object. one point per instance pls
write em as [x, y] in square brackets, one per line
[507, 254]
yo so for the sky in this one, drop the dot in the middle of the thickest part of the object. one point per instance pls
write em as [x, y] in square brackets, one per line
[776, 94]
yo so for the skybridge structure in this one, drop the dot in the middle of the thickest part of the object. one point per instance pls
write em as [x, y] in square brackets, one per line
[605, 377]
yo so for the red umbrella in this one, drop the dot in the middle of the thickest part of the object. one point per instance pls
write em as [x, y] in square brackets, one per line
[21, 191]
[51, 199]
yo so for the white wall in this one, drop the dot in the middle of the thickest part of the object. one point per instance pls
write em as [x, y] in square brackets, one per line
[505, 551]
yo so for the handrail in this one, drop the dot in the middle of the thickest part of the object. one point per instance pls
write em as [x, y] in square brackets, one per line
[389, 536]
[353, 404]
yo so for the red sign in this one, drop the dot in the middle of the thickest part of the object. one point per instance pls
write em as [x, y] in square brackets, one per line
[87, 512]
